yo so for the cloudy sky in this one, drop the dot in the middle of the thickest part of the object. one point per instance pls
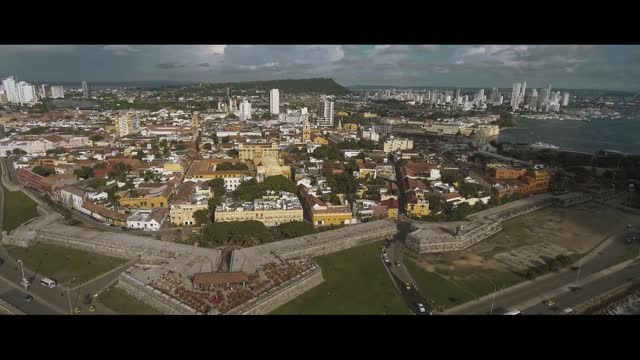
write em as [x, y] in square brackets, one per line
[564, 66]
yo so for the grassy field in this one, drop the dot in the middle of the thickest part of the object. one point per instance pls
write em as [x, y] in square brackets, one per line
[63, 264]
[448, 287]
[18, 208]
[355, 283]
[119, 301]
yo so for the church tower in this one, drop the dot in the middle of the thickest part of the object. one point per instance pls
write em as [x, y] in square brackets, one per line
[306, 131]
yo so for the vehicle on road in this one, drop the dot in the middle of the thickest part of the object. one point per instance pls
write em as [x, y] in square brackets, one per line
[407, 286]
[549, 303]
[398, 263]
[50, 283]
[91, 308]
[515, 312]
[387, 261]
[28, 298]
[568, 311]
[421, 308]
[76, 310]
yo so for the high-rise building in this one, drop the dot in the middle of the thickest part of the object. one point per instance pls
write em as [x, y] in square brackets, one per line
[515, 95]
[233, 105]
[326, 110]
[10, 90]
[85, 89]
[245, 110]
[126, 125]
[46, 90]
[548, 93]
[523, 91]
[26, 92]
[57, 92]
[565, 99]
[533, 100]
[274, 101]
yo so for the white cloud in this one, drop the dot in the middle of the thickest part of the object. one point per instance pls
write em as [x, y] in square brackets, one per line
[215, 49]
[428, 47]
[122, 50]
[459, 62]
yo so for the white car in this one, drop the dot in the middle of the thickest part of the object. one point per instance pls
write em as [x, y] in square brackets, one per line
[421, 308]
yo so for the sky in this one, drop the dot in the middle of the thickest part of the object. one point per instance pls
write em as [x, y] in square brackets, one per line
[614, 67]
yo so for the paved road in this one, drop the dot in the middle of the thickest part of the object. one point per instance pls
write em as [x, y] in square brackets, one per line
[16, 297]
[586, 292]
[401, 277]
[607, 257]
[56, 300]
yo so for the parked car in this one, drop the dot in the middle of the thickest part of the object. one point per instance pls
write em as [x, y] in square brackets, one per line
[407, 286]
[549, 303]
[421, 308]
[568, 311]
[28, 298]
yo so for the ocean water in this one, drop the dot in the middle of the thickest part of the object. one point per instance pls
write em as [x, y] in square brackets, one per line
[621, 134]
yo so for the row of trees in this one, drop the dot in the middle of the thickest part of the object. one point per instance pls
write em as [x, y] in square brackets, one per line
[251, 189]
[250, 233]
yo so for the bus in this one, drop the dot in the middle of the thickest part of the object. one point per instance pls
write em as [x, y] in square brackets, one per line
[50, 283]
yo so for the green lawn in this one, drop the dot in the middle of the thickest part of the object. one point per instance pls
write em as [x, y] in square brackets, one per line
[119, 301]
[356, 282]
[18, 208]
[63, 264]
[449, 288]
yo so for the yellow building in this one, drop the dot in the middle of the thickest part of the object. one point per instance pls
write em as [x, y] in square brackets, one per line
[267, 217]
[319, 140]
[271, 167]
[370, 115]
[253, 151]
[173, 167]
[418, 209]
[350, 127]
[321, 214]
[182, 214]
[342, 113]
[206, 170]
[146, 198]
[392, 213]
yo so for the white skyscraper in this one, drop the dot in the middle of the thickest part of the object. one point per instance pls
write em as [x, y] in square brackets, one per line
[85, 89]
[524, 89]
[26, 92]
[245, 110]
[565, 99]
[548, 93]
[274, 101]
[10, 90]
[57, 92]
[326, 110]
[515, 95]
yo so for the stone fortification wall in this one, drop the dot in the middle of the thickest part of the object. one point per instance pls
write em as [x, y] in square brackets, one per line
[147, 255]
[153, 297]
[280, 295]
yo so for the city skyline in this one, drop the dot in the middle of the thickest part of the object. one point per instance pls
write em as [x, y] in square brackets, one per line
[611, 67]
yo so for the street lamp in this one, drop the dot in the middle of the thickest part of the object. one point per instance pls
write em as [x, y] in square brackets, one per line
[24, 280]
[578, 276]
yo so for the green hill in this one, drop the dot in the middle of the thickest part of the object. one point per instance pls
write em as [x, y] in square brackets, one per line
[290, 86]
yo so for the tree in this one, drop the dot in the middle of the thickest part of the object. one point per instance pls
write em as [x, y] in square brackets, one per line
[43, 171]
[232, 152]
[96, 183]
[295, 229]
[232, 166]
[140, 155]
[18, 152]
[343, 183]
[202, 217]
[84, 172]
[207, 146]
[8, 153]
[96, 137]
[326, 152]
[469, 190]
